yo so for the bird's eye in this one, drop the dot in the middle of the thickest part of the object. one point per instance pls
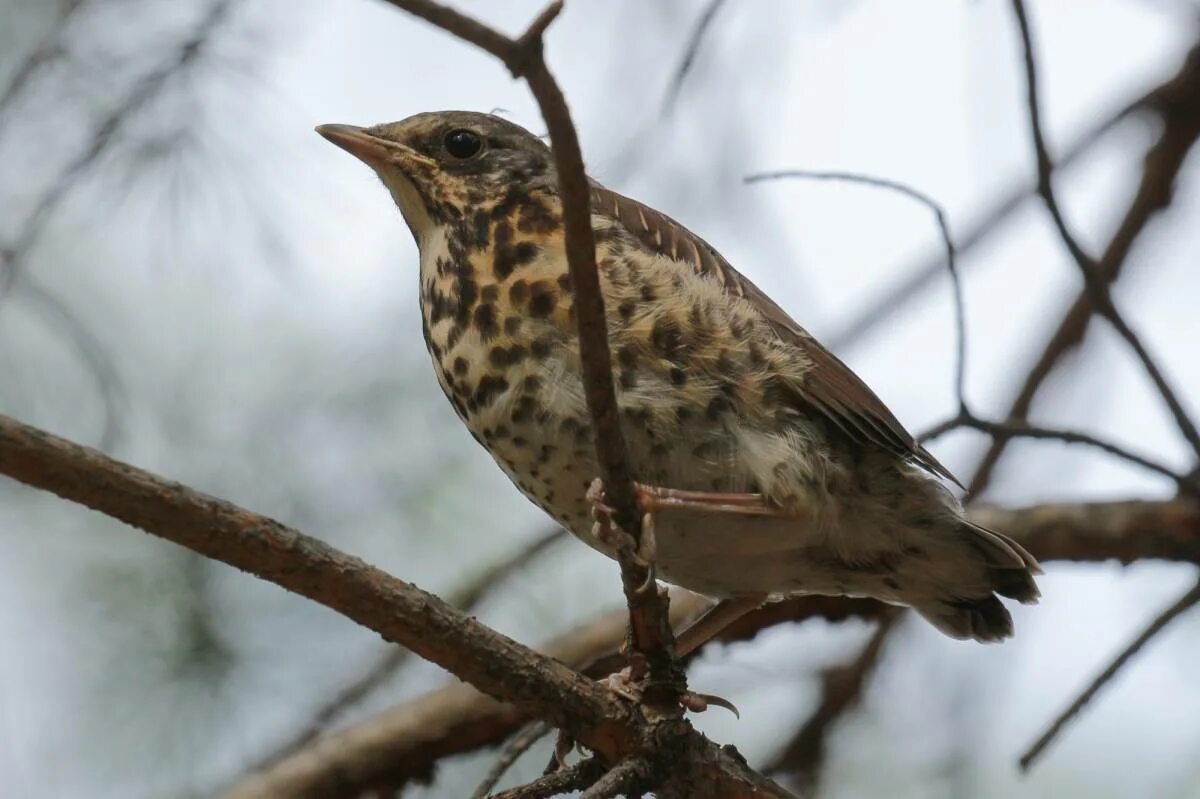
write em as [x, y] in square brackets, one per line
[462, 143]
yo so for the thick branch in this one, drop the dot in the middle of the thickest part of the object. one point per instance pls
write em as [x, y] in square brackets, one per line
[535, 684]
[405, 742]
[394, 658]
[398, 611]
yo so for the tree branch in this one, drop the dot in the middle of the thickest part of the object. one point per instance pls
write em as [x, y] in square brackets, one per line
[1016, 429]
[950, 262]
[47, 50]
[536, 685]
[525, 738]
[466, 598]
[924, 273]
[570, 778]
[143, 92]
[1177, 103]
[1095, 283]
[398, 611]
[703, 24]
[405, 742]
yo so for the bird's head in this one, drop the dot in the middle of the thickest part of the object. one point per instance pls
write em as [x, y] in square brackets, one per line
[442, 166]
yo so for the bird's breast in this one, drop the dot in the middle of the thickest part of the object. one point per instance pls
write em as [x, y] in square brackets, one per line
[692, 374]
[498, 322]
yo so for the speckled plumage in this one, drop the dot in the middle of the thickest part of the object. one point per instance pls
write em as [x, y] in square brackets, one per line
[719, 390]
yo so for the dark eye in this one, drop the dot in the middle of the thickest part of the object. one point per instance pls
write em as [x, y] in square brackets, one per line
[462, 143]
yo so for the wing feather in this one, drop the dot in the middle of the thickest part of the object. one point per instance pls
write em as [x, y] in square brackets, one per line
[830, 387]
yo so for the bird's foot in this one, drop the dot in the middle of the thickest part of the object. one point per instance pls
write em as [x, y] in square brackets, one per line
[623, 684]
[642, 551]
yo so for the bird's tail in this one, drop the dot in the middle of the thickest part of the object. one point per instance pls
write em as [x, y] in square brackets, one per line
[1007, 569]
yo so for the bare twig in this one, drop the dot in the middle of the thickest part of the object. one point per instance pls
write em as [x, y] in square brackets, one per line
[960, 321]
[570, 778]
[695, 38]
[391, 661]
[47, 50]
[1017, 429]
[525, 738]
[841, 690]
[1094, 280]
[1177, 102]
[143, 92]
[1179, 607]
[93, 355]
[926, 272]
[620, 779]
[650, 635]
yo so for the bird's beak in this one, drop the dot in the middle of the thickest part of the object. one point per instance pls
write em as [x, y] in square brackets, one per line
[369, 148]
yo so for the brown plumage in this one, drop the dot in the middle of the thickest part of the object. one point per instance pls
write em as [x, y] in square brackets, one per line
[800, 478]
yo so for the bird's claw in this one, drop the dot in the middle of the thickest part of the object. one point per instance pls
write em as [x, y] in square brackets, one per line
[698, 703]
[643, 552]
[623, 684]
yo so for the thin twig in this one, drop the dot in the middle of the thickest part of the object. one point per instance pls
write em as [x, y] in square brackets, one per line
[47, 50]
[1177, 102]
[105, 134]
[92, 353]
[1094, 280]
[695, 38]
[960, 320]
[569, 778]
[525, 738]
[1180, 606]
[391, 661]
[1019, 429]
[928, 270]
[619, 780]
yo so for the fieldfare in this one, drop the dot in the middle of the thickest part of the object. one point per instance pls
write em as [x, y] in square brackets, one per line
[769, 467]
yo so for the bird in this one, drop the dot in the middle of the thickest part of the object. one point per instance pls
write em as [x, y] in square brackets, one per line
[768, 467]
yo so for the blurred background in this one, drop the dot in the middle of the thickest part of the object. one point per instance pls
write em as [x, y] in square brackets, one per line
[197, 283]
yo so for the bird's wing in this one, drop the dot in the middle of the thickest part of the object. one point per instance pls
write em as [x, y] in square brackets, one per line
[830, 387]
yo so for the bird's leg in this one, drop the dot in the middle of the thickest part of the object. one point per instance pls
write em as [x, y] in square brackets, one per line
[713, 621]
[652, 500]
[656, 499]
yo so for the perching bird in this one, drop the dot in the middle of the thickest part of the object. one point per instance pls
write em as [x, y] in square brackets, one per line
[771, 469]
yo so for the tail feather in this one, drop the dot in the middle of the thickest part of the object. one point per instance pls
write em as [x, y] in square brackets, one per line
[984, 619]
[1012, 567]
[1007, 569]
